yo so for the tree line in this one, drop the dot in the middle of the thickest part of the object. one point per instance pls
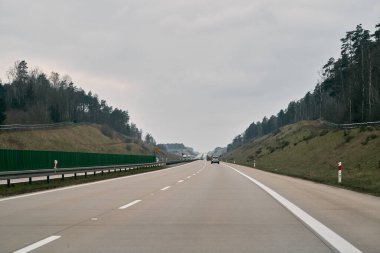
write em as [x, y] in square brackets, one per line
[32, 97]
[348, 90]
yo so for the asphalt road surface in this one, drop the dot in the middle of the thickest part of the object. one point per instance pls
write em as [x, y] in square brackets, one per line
[196, 207]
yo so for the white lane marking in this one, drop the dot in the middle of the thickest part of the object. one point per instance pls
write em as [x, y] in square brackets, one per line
[189, 177]
[180, 181]
[193, 174]
[329, 236]
[130, 204]
[94, 219]
[38, 244]
[165, 188]
[88, 184]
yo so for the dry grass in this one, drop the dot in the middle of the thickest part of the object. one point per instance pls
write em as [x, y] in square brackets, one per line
[311, 151]
[79, 138]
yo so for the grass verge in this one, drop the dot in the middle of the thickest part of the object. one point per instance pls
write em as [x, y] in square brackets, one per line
[311, 151]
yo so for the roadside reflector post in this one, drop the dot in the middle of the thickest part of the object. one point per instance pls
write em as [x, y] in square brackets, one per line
[340, 172]
[254, 163]
[55, 166]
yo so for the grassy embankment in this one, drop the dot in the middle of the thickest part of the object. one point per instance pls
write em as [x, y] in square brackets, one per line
[312, 151]
[77, 138]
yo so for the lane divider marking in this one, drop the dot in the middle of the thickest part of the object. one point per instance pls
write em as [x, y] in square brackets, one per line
[165, 188]
[38, 244]
[326, 234]
[189, 177]
[130, 204]
[180, 181]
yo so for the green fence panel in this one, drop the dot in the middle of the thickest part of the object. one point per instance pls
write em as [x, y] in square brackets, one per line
[18, 160]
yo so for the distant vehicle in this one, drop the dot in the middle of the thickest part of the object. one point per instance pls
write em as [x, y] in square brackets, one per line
[215, 159]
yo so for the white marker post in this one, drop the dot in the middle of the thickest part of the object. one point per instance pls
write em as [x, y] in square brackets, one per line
[340, 172]
[55, 165]
[254, 163]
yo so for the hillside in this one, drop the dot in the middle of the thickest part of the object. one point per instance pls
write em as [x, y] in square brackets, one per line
[80, 138]
[312, 151]
[178, 149]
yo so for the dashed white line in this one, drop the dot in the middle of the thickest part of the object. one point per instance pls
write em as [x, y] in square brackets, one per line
[189, 177]
[38, 244]
[165, 188]
[130, 204]
[193, 174]
[88, 184]
[329, 236]
[180, 181]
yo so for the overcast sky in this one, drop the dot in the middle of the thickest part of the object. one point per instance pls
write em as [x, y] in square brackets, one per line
[191, 71]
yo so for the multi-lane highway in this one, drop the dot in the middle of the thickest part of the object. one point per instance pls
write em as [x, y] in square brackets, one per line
[196, 207]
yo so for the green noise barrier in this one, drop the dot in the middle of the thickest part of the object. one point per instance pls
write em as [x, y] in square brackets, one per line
[19, 160]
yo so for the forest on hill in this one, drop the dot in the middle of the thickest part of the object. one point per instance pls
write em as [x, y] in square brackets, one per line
[348, 92]
[32, 97]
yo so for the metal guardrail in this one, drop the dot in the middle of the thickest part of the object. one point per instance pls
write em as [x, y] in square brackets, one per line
[35, 126]
[352, 125]
[52, 125]
[9, 175]
[62, 171]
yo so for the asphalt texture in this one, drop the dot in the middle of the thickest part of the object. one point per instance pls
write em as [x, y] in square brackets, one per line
[195, 207]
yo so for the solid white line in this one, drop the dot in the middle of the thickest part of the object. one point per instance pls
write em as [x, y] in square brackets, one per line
[37, 244]
[180, 181]
[88, 184]
[165, 188]
[130, 204]
[329, 236]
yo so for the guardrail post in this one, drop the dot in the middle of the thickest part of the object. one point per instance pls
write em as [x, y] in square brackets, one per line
[94, 172]
[30, 180]
[85, 174]
[102, 172]
[8, 182]
[75, 175]
[48, 179]
[63, 177]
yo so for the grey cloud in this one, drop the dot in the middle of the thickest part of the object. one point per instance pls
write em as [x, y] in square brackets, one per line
[198, 71]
